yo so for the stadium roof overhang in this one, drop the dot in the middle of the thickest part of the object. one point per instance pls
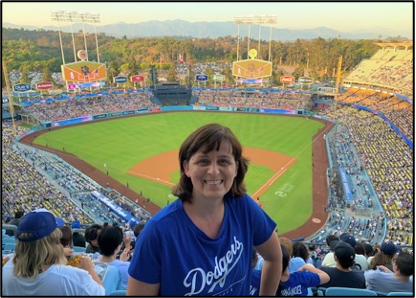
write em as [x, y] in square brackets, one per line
[394, 45]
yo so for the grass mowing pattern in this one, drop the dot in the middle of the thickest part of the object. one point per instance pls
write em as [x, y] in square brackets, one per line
[124, 142]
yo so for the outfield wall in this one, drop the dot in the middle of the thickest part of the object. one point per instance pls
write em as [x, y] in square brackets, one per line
[147, 110]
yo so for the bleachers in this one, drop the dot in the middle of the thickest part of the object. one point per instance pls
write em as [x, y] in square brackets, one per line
[388, 161]
[387, 67]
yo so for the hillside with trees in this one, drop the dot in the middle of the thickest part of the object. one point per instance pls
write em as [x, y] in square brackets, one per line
[35, 50]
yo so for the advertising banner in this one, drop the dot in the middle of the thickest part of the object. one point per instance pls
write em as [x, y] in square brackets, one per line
[44, 85]
[201, 77]
[21, 87]
[346, 184]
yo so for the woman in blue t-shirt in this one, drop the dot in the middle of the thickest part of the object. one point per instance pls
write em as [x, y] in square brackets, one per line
[202, 243]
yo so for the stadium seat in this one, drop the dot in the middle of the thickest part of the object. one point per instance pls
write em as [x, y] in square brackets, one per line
[118, 293]
[8, 240]
[79, 249]
[339, 291]
[400, 294]
[9, 246]
[111, 280]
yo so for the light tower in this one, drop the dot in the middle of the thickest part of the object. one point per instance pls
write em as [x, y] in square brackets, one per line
[76, 17]
[255, 20]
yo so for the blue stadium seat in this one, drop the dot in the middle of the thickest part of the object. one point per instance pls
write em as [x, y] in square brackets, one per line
[118, 293]
[9, 246]
[79, 249]
[400, 294]
[339, 291]
[8, 240]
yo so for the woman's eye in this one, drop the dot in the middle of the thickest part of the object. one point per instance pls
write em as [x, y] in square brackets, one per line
[202, 161]
[224, 162]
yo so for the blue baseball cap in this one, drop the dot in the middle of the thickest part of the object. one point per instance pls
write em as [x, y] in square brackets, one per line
[39, 223]
[389, 248]
[76, 225]
[348, 239]
[59, 222]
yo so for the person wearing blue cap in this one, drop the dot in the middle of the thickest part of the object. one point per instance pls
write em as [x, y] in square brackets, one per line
[384, 256]
[77, 238]
[38, 266]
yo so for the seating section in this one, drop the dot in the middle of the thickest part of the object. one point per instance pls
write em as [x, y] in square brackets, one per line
[388, 160]
[339, 291]
[388, 67]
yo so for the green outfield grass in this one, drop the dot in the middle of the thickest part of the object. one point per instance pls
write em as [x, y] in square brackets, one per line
[122, 143]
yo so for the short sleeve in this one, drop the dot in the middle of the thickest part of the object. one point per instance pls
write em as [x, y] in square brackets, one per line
[310, 279]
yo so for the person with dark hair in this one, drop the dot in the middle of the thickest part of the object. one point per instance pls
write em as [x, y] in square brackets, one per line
[384, 280]
[38, 267]
[110, 241]
[368, 250]
[201, 244]
[360, 259]
[77, 238]
[91, 236]
[299, 256]
[15, 221]
[329, 260]
[138, 229]
[298, 282]
[342, 275]
[300, 250]
[66, 240]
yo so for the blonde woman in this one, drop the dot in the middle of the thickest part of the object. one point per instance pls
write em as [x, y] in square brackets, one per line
[38, 267]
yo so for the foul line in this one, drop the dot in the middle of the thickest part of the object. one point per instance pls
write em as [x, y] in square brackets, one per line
[151, 178]
[283, 169]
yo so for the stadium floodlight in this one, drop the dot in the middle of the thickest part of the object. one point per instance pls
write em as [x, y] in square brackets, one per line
[59, 16]
[255, 20]
[91, 18]
[258, 20]
[77, 17]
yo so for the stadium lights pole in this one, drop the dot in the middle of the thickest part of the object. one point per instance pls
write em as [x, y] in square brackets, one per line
[58, 16]
[85, 39]
[69, 17]
[94, 19]
[259, 39]
[9, 95]
[260, 20]
[238, 39]
[248, 39]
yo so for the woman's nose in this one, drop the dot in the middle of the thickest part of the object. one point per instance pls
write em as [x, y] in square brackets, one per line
[213, 168]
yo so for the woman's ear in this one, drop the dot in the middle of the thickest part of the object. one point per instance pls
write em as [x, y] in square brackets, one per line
[186, 168]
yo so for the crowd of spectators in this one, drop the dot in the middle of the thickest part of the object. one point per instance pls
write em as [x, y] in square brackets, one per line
[36, 180]
[398, 111]
[388, 161]
[387, 67]
[24, 188]
[240, 98]
[77, 107]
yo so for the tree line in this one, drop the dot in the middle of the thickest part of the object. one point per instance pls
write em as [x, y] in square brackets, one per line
[39, 50]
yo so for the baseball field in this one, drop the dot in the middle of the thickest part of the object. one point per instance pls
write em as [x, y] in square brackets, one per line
[142, 153]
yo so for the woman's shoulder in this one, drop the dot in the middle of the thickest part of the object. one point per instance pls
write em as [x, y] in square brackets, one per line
[67, 270]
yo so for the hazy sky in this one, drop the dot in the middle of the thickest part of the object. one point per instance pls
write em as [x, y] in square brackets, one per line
[347, 16]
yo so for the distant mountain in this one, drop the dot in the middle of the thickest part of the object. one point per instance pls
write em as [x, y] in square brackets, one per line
[216, 29]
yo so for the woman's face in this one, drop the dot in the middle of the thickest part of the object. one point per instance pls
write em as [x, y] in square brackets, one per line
[212, 174]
